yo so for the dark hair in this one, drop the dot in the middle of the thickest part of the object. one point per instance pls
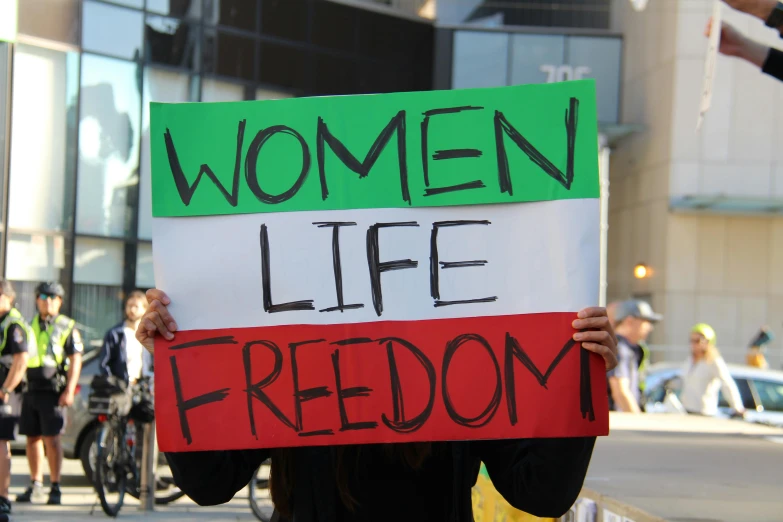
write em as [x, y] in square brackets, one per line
[136, 294]
[282, 479]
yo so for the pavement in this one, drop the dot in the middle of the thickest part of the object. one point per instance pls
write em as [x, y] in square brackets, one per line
[686, 468]
[81, 503]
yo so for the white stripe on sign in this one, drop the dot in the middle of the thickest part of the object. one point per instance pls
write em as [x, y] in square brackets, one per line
[490, 260]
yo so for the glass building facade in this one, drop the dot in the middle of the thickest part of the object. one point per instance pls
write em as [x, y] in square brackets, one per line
[75, 87]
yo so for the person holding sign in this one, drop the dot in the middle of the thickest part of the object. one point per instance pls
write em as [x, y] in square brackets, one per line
[734, 43]
[425, 481]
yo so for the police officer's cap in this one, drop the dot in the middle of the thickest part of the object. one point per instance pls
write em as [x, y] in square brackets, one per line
[50, 288]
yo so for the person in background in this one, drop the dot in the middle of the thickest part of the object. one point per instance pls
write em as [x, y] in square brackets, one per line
[755, 356]
[705, 373]
[611, 313]
[122, 356]
[734, 43]
[634, 322]
[51, 384]
[15, 335]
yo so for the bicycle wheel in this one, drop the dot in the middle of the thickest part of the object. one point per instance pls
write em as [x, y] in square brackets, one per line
[260, 499]
[166, 491]
[111, 469]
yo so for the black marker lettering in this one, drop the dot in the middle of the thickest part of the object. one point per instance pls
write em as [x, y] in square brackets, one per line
[253, 391]
[363, 168]
[186, 191]
[184, 405]
[399, 424]
[585, 387]
[445, 154]
[348, 393]
[489, 412]
[305, 395]
[377, 268]
[434, 262]
[266, 281]
[502, 126]
[338, 271]
[514, 350]
[251, 175]
[227, 339]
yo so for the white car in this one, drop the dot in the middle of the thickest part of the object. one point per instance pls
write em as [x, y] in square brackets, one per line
[761, 391]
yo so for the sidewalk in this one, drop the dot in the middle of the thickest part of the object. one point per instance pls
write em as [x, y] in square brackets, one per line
[81, 503]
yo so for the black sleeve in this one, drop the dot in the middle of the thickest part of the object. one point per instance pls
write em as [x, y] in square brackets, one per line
[542, 477]
[210, 478]
[73, 344]
[17, 340]
[773, 65]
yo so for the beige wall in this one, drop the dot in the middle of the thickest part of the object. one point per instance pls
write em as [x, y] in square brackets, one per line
[722, 269]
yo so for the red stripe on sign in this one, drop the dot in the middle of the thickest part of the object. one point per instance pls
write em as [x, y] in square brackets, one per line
[447, 379]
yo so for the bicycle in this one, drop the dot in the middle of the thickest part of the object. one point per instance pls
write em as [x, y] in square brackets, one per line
[118, 464]
[258, 488]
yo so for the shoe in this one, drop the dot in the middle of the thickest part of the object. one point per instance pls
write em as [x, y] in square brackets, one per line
[33, 493]
[55, 497]
[5, 506]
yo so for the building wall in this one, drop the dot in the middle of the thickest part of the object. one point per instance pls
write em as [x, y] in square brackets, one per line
[721, 269]
[78, 205]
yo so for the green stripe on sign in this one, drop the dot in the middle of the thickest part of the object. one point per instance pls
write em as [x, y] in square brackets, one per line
[421, 149]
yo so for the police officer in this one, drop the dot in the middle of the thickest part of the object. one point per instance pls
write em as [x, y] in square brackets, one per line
[50, 390]
[14, 337]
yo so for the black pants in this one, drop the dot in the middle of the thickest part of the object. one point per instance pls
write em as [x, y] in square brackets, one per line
[42, 416]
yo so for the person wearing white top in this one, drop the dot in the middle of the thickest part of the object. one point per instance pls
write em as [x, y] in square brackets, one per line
[122, 356]
[705, 374]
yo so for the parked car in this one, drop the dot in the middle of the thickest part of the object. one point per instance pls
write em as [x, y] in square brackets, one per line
[761, 391]
[80, 425]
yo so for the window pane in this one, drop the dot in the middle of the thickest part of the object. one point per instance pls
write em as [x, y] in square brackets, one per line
[600, 59]
[771, 394]
[184, 8]
[227, 54]
[42, 149]
[109, 129]
[138, 4]
[34, 257]
[745, 394]
[480, 60]
[25, 298]
[241, 14]
[284, 66]
[96, 308]
[217, 91]
[112, 30]
[171, 42]
[145, 277]
[284, 19]
[533, 56]
[98, 261]
[267, 94]
[3, 115]
[159, 86]
[58, 21]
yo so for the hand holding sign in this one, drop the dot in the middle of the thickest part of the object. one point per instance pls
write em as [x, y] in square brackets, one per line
[595, 335]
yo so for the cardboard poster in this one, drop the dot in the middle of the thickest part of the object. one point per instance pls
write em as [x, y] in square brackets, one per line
[387, 268]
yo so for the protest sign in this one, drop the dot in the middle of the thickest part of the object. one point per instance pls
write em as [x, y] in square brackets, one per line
[710, 63]
[387, 268]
